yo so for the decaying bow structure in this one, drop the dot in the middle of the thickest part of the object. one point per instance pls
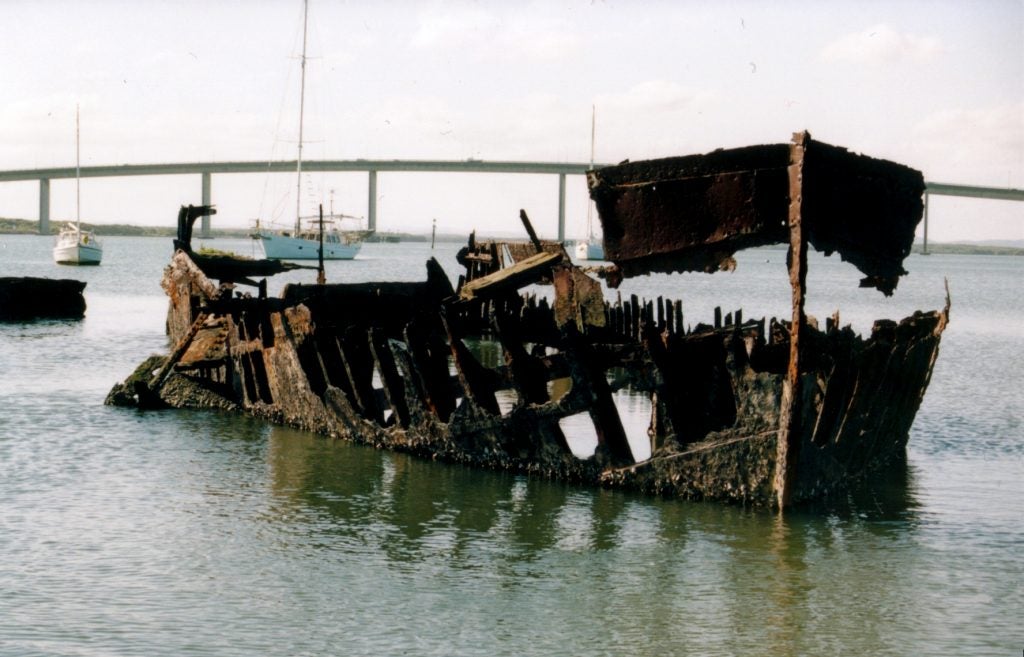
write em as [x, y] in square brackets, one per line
[746, 411]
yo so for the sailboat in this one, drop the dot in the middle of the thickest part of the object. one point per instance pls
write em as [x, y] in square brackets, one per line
[74, 245]
[303, 243]
[591, 248]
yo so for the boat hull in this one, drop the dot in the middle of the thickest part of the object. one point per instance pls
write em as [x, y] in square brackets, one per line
[77, 254]
[281, 247]
[589, 250]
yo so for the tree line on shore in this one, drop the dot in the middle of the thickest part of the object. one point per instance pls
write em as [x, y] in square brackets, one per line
[9, 226]
[30, 227]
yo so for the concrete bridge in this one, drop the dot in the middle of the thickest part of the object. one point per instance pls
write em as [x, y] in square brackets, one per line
[373, 167]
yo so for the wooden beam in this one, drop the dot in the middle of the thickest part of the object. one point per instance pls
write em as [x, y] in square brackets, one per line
[788, 442]
[522, 273]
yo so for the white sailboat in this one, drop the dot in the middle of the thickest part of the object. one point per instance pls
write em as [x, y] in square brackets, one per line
[74, 245]
[303, 243]
[591, 248]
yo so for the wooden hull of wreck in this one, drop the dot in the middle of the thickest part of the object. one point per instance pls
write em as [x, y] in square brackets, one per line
[381, 376]
[859, 401]
[310, 362]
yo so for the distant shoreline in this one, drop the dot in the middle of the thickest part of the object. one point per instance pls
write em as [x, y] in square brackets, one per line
[27, 227]
[967, 249]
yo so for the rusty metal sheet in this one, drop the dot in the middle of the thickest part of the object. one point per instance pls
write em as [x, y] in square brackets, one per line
[693, 213]
[578, 299]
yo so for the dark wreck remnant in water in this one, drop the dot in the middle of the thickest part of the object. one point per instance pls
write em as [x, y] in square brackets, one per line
[742, 410]
[28, 297]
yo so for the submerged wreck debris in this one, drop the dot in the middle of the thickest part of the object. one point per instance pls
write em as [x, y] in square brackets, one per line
[749, 411]
[26, 298]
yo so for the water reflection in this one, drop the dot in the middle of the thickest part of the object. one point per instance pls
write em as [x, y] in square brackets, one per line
[416, 506]
[890, 493]
[661, 563]
[356, 487]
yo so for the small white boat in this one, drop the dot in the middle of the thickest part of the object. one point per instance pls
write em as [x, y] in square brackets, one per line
[590, 249]
[74, 245]
[77, 247]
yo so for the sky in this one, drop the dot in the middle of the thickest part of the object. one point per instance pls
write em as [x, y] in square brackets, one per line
[935, 85]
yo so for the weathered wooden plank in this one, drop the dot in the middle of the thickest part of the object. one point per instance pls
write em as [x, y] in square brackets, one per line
[522, 273]
[394, 386]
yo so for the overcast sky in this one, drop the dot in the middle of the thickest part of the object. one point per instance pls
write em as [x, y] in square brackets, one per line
[935, 85]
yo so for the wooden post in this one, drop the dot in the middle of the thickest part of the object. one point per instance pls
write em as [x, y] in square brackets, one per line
[634, 318]
[788, 443]
[529, 229]
[476, 380]
[394, 386]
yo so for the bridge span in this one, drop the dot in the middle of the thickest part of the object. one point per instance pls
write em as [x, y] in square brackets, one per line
[373, 167]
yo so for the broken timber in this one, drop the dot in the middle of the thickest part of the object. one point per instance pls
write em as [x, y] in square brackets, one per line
[741, 410]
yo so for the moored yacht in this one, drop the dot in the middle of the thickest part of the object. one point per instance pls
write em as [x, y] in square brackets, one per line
[77, 247]
[74, 245]
[303, 243]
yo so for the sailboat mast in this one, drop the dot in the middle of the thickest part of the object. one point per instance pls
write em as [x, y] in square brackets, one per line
[78, 172]
[302, 108]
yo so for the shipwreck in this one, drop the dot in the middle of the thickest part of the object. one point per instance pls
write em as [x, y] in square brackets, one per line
[742, 410]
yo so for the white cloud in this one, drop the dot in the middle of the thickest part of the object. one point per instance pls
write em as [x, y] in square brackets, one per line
[881, 45]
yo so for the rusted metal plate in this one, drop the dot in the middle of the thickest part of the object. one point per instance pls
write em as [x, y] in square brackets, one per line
[863, 208]
[578, 300]
[692, 213]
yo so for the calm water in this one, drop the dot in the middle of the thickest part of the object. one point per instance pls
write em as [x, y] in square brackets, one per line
[176, 533]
